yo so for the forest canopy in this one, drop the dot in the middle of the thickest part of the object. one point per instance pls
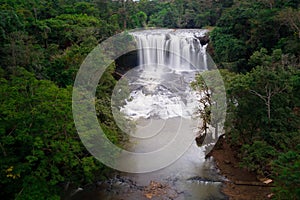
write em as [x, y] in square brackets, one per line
[255, 43]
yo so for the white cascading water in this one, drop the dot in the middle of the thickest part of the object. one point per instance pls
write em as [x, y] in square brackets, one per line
[179, 50]
[168, 61]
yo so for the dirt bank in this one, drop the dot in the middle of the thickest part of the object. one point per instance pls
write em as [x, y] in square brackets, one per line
[237, 188]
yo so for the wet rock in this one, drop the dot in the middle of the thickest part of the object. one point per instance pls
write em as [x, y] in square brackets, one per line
[161, 191]
[203, 40]
[199, 179]
[118, 185]
[200, 139]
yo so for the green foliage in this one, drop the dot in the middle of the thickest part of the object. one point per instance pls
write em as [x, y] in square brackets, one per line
[258, 156]
[10, 22]
[139, 19]
[205, 102]
[164, 18]
[227, 48]
[68, 29]
[104, 106]
[287, 175]
[40, 151]
[43, 43]
[263, 121]
[22, 50]
[236, 21]
[249, 26]
[259, 42]
[62, 68]
[210, 86]
[268, 88]
[40, 148]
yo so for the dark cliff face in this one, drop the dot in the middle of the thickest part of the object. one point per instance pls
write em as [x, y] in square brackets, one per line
[126, 62]
[203, 40]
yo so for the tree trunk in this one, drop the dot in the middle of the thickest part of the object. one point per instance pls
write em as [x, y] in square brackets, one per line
[269, 107]
[252, 183]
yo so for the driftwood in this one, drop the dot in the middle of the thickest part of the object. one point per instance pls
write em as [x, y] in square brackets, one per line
[252, 183]
[118, 74]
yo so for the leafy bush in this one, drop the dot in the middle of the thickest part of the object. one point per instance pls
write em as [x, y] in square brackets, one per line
[287, 175]
[40, 148]
[258, 157]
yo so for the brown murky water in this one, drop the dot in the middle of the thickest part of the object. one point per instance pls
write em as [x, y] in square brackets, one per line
[191, 177]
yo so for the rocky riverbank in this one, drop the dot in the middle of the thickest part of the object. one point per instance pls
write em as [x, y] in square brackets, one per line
[242, 184]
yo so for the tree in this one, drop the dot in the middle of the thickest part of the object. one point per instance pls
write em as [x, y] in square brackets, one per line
[287, 175]
[274, 78]
[269, 3]
[291, 18]
[167, 17]
[205, 103]
[40, 149]
[268, 88]
[22, 50]
[228, 50]
[139, 19]
[210, 87]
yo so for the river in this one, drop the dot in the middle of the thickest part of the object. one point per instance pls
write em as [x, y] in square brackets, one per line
[162, 105]
[191, 177]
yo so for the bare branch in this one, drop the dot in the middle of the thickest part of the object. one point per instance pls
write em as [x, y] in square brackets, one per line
[264, 98]
[3, 150]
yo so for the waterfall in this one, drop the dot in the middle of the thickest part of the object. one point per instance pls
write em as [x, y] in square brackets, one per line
[168, 62]
[179, 50]
[162, 106]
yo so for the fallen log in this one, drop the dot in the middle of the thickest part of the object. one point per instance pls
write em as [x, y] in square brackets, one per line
[252, 183]
[118, 73]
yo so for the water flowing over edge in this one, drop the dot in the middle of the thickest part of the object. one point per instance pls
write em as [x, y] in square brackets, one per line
[168, 62]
